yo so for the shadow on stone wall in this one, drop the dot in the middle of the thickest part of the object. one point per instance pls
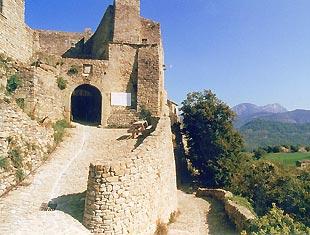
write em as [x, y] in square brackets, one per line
[183, 175]
[72, 204]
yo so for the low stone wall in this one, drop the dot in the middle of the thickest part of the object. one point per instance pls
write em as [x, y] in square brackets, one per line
[131, 196]
[238, 214]
[24, 144]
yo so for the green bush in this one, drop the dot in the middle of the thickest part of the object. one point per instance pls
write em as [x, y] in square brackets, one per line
[20, 175]
[16, 158]
[62, 83]
[73, 71]
[264, 183]
[21, 103]
[4, 163]
[275, 222]
[13, 83]
[59, 130]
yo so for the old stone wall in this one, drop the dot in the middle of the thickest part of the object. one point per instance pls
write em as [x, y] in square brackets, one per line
[149, 79]
[15, 37]
[59, 43]
[131, 196]
[24, 144]
[127, 24]
[150, 32]
[238, 214]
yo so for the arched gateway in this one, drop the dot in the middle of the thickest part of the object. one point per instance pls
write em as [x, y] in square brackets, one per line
[86, 105]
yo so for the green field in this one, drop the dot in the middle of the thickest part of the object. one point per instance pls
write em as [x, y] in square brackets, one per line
[287, 159]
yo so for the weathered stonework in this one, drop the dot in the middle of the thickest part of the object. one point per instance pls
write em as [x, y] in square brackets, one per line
[125, 54]
[30, 142]
[15, 36]
[129, 197]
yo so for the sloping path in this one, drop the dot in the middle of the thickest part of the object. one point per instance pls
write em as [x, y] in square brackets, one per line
[200, 216]
[63, 180]
[193, 216]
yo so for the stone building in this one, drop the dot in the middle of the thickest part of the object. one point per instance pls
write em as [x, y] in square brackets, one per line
[110, 75]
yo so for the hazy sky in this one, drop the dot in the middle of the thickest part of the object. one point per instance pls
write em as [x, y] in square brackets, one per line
[244, 50]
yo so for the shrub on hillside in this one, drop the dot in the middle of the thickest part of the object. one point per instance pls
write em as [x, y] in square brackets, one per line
[264, 183]
[259, 153]
[277, 223]
[13, 83]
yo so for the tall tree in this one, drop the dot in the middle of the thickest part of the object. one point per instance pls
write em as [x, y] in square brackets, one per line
[208, 126]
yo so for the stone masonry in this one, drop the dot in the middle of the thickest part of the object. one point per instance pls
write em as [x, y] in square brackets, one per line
[131, 196]
[123, 57]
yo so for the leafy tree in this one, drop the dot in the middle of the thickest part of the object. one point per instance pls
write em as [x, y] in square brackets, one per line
[294, 148]
[208, 126]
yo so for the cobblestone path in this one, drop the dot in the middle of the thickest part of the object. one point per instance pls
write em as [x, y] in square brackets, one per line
[62, 180]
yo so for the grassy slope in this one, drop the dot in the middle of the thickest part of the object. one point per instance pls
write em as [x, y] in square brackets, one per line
[287, 159]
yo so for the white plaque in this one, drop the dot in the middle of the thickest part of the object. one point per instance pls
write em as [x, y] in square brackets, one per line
[120, 99]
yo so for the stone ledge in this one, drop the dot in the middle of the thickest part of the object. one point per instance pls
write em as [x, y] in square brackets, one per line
[238, 214]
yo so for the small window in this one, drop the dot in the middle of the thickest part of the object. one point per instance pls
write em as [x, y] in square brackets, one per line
[144, 41]
[87, 69]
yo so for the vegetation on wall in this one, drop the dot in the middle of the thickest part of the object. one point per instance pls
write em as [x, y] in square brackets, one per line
[16, 158]
[13, 83]
[61, 83]
[20, 175]
[20, 102]
[4, 163]
[59, 130]
[73, 70]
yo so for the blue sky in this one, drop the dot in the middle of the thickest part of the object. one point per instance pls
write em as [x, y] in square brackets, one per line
[243, 50]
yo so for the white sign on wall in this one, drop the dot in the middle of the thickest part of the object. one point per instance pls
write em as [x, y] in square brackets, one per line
[120, 99]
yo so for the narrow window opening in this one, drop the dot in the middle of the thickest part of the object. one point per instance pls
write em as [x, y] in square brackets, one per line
[1, 6]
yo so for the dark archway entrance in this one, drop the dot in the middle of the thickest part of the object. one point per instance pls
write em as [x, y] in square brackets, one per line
[86, 105]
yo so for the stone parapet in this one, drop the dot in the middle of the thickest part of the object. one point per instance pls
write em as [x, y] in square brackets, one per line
[238, 214]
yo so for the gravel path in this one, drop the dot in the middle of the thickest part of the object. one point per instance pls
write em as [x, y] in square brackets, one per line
[193, 216]
[62, 180]
[200, 216]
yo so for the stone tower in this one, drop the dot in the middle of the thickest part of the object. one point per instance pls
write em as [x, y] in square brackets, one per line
[127, 23]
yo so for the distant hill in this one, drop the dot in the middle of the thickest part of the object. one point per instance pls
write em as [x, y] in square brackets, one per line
[247, 112]
[260, 133]
[298, 116]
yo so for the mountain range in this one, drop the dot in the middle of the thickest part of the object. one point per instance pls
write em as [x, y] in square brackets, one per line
[272, 125]
[273, 112]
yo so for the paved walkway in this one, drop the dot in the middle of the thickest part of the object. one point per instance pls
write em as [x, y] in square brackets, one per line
[62, 180]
